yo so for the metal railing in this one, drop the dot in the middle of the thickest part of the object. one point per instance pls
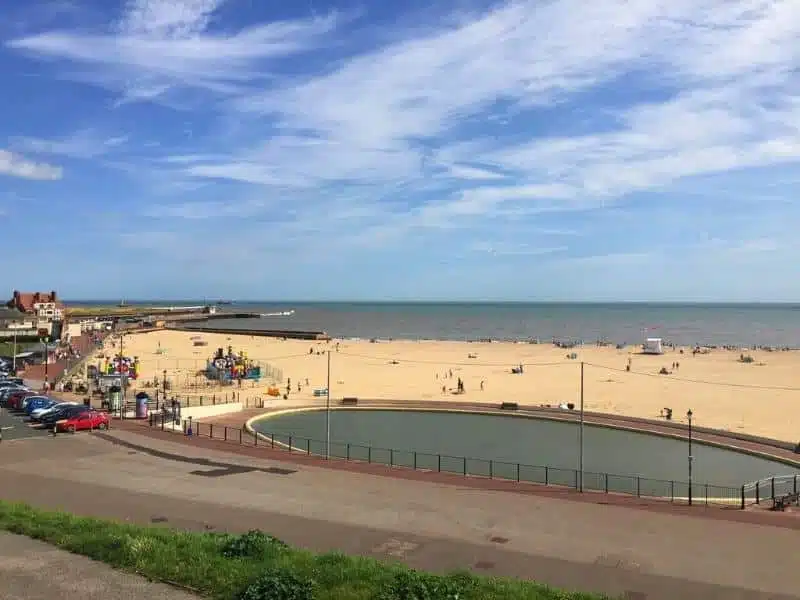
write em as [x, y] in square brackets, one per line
[642, 487]
[769, 489]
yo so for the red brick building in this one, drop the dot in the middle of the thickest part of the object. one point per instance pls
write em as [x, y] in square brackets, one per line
[44, 305]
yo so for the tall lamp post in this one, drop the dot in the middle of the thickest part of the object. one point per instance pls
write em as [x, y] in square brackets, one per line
[328, 411]
[46, 360]
[691, 458]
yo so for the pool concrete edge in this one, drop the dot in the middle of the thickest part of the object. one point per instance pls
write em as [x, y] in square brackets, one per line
[698, 438]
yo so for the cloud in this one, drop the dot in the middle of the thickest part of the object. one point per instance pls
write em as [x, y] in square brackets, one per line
[82, 144]
[162, 45]
[18, 166]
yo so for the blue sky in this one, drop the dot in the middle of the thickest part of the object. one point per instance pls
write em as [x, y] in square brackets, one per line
[614, 150]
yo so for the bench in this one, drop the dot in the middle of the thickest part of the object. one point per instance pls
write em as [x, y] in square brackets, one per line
[781, 502]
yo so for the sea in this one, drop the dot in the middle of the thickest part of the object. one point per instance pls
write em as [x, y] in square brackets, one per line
[773, 325]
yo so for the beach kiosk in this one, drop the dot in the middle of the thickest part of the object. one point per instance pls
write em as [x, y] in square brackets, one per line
[652, 346]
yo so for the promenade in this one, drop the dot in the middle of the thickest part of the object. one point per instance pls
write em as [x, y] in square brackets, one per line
[436, 526]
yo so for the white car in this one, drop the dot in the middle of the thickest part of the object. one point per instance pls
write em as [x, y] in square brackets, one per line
[41, 412]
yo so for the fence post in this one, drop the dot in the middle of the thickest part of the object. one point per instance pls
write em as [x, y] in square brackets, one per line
[348, 451]
[415, 460]
[795, 485]
[638, 486]
[240, 437]
[272, 440]
[672, 490]
[706, 494]
[308, 446]
[743, 497]
[225, 432]
[772, 488]
[464, 465]
[391, 457]
[605, 482]
[491, 469]
[369, 454]
[255, 438]
[290, 443]
[758, 492]
[439, 463]
[517, 472]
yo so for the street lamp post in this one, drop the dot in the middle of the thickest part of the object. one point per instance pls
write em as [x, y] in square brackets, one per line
[165, 387]
[46, 360]
[328, 411]
[691, 458]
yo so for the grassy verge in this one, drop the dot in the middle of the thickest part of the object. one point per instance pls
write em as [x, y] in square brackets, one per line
[255, 566]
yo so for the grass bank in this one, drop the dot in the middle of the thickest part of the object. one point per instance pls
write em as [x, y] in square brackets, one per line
[255, 566]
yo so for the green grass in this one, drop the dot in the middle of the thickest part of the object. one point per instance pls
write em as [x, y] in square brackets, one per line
[255, 566]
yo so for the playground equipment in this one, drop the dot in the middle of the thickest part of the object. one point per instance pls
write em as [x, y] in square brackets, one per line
[119, 365]
[229, 366]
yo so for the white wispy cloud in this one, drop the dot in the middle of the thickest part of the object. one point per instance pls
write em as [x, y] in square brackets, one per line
[81, 144]
[16, 165]
[696, 87]
[161, 45]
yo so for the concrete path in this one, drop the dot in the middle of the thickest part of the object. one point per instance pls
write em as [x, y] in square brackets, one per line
[427, 525]
[32, 570]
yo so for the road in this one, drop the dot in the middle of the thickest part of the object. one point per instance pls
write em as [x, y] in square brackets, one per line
[574, 545]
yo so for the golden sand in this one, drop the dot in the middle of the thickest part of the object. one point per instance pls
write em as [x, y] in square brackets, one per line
[760, 398]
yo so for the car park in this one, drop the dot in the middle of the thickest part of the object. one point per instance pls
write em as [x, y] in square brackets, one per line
[84, 421]
[40, 413]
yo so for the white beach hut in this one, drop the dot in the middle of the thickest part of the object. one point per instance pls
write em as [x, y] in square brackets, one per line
[652, 346]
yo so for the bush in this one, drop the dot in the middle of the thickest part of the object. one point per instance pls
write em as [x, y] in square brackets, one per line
[279, 584]
[252, 544]
[412, 585]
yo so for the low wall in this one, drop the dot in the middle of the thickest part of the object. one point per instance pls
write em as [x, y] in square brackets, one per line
[204, 412]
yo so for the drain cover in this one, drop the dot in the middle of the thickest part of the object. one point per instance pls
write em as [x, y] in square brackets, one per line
[498, 539]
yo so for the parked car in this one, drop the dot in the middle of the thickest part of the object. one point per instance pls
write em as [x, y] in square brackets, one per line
[40, 413]
[33, 403]
[7, 391]
[68, 412]
[84, 421]
[14, 400]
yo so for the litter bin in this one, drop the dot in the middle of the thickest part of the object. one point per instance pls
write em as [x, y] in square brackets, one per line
[141, 405]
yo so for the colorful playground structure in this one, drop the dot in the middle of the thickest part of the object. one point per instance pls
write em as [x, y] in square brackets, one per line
[119, 365]
[229, 366]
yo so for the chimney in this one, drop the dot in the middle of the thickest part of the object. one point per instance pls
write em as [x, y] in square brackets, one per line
[52, 295]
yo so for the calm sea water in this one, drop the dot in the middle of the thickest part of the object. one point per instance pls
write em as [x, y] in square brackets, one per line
[774, 325]
[745, 324]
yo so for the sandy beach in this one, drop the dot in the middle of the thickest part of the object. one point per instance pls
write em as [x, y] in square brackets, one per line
[760, 398]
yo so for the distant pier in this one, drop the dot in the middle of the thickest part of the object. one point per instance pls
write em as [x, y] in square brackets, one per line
[291, 334]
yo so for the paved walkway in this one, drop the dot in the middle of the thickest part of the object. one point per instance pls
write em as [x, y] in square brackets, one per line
[33, 570]
[427, 525]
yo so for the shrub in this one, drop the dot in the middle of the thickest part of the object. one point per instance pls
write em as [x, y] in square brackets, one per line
[279, 584]
[252, 544]
[412, 585]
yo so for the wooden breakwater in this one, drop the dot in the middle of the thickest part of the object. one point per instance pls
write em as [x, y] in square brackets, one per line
[290, 334]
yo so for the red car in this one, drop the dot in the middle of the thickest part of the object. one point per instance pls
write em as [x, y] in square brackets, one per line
[83, 422]
[14, 401]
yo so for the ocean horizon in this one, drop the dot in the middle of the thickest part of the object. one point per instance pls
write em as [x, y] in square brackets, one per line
[712, 323]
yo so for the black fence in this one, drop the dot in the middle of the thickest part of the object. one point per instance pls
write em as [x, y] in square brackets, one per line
[641, 487]
[770, 489]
